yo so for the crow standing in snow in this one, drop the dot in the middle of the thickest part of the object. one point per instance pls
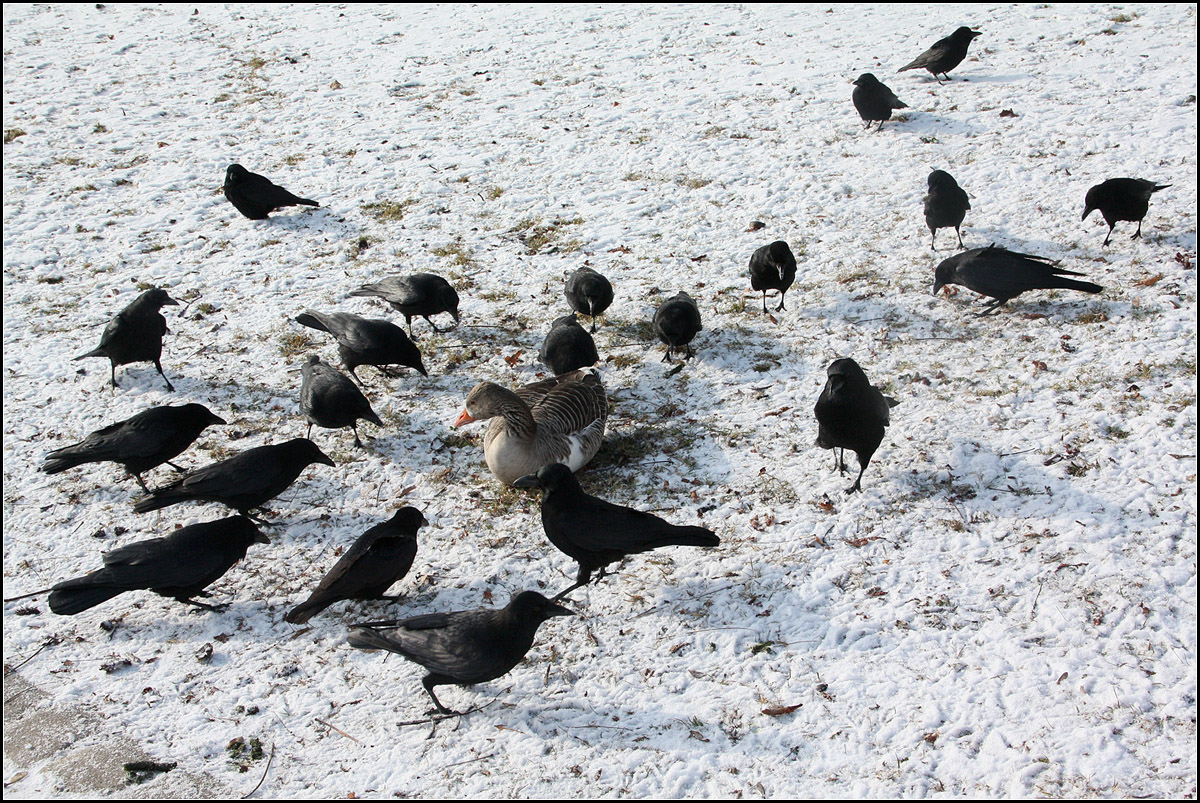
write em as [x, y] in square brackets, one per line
[180, 565]
[247, 480]
[874, 100]
[946, 205]
[136, 334]
[462, 647]
[773, 267]
[1121, 199]
[945, 55]
[328, 399]
[1001, 274]
[381, 556]
[676, 322]
[148, 439]
[364, 341]
[595, 533]
[256, 196]
[851, 414]
[568, 346]
[423, 294]
[588, 293]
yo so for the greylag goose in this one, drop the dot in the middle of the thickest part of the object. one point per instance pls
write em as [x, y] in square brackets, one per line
[588, 293]
[559, 420]
[773, 267]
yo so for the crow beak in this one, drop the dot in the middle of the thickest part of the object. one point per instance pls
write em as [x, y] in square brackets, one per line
[463, 418]
[1087, 212]
[528, 481]
[171, 301]
[554, 609]
[937, 286]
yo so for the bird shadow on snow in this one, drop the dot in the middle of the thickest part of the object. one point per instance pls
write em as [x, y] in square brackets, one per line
[978, 481]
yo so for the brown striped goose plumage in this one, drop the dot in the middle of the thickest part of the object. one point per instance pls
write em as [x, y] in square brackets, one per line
[559, 420]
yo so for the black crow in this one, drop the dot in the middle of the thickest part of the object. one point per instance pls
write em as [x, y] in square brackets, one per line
[328, 399]
[247, 480]
[462, 647]
[568, 346]
[773, 267]
[381, 556]
[945, 206]
[256, 196]
[136, 334]
[945, 55]
[180, 565]
[676, 322]
[874, 101]
[421, 294]
[364, 341]
[148, 439]
[851, 414]
[1121, 199]
[595, 533]
[588, 293]
[1001, 274]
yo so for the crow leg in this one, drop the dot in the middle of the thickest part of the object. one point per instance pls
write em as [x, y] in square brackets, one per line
[205, 606]
[429, 684]
[1110, 231]
[357, 442]
[158, 365]
[259, 520]
[857, 486]
[992, 307]
[782, 293]
[959, 233]
[1137, 234]
[309, 433]
[140, 481]
[764, 292]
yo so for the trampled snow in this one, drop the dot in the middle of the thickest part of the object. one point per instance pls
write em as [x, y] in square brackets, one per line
[1007, 609]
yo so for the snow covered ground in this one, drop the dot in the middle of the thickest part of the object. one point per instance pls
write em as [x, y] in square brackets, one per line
[1007, 609]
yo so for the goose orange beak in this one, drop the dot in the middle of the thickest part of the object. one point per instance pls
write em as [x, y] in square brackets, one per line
[463, 418]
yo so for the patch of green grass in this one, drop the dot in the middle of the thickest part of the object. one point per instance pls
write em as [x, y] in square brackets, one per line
[459, 255]
[387, 211]
[294, 344]
[537, 236]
